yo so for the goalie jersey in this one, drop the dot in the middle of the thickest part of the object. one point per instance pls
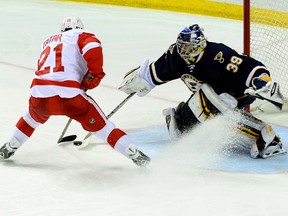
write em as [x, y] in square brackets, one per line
[224, 69]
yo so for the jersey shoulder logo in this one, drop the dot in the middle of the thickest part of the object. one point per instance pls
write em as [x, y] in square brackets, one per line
[219, 57]
[191, 82]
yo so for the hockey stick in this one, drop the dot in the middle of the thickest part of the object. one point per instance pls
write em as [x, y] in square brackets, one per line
[71, 138]
[67, 138]
[87, 138]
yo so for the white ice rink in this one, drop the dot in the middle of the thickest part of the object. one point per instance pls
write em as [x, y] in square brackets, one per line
[43, 179]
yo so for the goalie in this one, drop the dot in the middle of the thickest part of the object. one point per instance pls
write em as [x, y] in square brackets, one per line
[220, 80]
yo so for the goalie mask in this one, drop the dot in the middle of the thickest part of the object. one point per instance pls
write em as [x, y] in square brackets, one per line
[69, 23]
[191, 42]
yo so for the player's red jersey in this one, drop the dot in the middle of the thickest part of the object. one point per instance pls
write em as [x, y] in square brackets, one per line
[64, 60]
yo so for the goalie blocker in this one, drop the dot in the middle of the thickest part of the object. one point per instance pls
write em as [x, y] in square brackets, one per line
[254, 134]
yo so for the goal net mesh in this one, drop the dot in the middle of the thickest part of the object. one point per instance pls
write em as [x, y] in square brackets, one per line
[269, 42]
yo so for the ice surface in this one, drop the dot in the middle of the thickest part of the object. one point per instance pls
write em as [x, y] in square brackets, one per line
[194, 177]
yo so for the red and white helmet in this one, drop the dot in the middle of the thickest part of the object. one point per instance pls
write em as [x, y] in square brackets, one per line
[69, 23]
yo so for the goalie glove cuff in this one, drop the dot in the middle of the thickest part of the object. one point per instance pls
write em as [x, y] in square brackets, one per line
[260, 82]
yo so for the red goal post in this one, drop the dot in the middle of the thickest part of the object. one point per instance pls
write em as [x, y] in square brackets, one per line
[265, 38]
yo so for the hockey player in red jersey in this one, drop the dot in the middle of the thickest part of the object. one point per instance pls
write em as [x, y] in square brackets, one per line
[220, 80]
[70, 63]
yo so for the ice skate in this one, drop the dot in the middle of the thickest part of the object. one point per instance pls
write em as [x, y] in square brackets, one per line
[141, 159]
[138, 157]
[273, 149]
[9, 148]
[6, 151]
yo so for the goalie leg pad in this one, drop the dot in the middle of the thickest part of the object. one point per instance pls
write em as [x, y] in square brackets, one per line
[179, 121]
[267, 145]
[249, 131]
[171, 122]
[186, 119]
[205, 103]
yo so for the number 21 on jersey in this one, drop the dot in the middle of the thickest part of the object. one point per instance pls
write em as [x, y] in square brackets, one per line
[55, 55]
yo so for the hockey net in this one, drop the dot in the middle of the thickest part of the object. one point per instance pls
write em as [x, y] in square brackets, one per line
[268, 39]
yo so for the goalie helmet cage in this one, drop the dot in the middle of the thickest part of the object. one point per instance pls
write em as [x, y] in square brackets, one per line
[265, 38]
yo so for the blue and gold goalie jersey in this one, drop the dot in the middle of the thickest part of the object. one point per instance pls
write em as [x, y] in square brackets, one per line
[224, 69]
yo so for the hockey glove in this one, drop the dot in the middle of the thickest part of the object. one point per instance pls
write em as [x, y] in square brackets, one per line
[133, 82]
[266, 91]
[89, 81]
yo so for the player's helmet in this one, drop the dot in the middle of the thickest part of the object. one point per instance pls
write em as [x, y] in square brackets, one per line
[191, 42]
[69, 23]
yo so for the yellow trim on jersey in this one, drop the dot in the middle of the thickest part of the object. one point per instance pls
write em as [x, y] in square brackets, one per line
[249, 79]
[266, 78]
[202, 7]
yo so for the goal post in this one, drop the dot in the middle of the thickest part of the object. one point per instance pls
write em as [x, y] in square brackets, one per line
[246, 27]
[265, 37]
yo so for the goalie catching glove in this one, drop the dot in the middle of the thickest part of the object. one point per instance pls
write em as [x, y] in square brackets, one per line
[266, 89]
[134, 82]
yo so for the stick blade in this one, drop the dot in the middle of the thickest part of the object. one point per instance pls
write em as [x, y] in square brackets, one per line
[85, 142]
[69, 138]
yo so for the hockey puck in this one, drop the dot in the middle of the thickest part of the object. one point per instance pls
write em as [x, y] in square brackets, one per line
[77, 143]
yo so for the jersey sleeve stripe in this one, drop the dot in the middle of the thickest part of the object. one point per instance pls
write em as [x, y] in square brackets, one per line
[89, 46]
[251, 75]
[154, 76]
